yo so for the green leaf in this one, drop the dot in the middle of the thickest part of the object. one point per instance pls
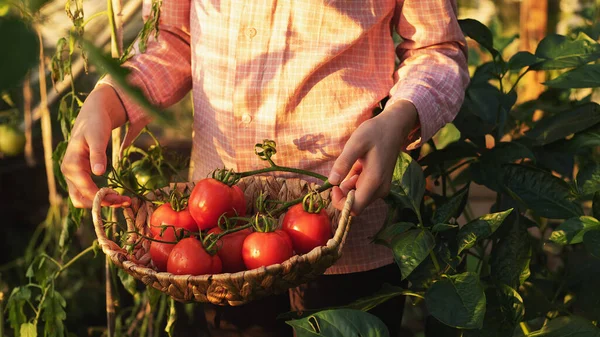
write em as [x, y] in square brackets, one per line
[511, 256]
[339, 323]
[521, 60]
[579, 144]
[170, 327]
[540, 191]
[491, 161]
[565, 123]
[457, 301]
[572, 230]
[596, 205]
[572, 326]
[446, 135]
[387, 233]
[411, 248]
[54, 314]
[119, 74]
[479, 229]
[480, 33]
[20, 52]
[591, 241]
[484, 100]
[442, 227]
[561, 52]
[588, 179]
[504, 311]
[586, 76]
[28, 330]
[16, 302]
[452, 152]
[451, 208]
[408, 184]
[128, 282]
[387, 292]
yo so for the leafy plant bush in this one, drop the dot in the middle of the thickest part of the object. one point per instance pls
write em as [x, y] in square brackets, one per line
[496, 275]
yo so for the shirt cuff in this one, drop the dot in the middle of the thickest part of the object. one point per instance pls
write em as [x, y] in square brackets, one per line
[424, 101]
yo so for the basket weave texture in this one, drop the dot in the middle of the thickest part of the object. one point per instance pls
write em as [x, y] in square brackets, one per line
[228, 288]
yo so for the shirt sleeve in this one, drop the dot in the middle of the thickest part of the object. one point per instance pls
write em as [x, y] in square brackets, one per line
[433, 73]
[163, 71]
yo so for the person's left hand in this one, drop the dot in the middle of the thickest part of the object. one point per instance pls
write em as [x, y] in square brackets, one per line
[367, 161]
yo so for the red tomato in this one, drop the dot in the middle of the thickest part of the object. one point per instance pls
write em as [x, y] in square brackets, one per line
[160, 251]
[230, 249]
[307, 230]
[239, 200]
[189, 257]
[211, 198]
[165, 214]
[264, 249]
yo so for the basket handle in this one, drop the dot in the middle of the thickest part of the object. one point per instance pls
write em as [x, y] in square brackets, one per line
[103, 240]
[344, 222]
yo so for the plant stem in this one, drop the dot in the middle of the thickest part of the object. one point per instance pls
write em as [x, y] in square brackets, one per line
[40, 305]
[290, 203]
[275, 168]
[75, 258]
[27, 98]
[46, 127]
[436, 264]
[524, 328]
[95, 15]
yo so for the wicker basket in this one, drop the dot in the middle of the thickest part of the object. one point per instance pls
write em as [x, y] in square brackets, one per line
[228, 288]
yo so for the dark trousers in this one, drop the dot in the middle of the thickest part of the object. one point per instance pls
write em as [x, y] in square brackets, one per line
[258, 318]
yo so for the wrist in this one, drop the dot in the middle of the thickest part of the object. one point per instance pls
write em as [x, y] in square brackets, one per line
[106, 99]
[401, 116]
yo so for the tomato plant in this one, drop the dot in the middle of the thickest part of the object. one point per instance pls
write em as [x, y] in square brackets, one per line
[211, 198]
[307, 227]
[189, 257]
[266, 248]
[230, 249]
[12, 140]
[159, 251]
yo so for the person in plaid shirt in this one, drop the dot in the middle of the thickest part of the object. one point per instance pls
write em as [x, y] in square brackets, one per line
[307, 74]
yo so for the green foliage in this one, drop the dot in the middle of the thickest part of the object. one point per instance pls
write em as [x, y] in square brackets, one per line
[489, 276]
[339, 323]
[457, 300]
[20, 53]
[411, 248]
[479, 229]
[572, 326]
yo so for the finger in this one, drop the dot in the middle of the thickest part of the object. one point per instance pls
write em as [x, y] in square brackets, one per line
[77, 173]
[115, 200]
[97, 143]
[338, 194]
[368, 187]
[76, 197]
[353, 150]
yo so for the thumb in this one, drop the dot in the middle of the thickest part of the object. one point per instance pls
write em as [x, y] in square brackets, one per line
[343, 164]
[97, 144]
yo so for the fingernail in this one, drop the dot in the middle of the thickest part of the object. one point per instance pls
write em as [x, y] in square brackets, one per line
[98, 169]
[334, 178]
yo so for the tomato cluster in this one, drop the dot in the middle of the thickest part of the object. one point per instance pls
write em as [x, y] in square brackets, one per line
[198, 240]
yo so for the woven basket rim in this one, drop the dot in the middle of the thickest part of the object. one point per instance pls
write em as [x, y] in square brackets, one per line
[113, 250]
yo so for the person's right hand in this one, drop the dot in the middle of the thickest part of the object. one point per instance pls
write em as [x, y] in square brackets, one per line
[86, 151]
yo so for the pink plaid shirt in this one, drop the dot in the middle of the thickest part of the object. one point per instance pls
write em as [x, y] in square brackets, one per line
[304, 73]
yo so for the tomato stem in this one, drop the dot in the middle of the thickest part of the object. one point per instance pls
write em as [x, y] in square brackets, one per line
[277, 168]
[327, 185]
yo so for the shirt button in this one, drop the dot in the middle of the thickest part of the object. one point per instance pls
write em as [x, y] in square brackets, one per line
[250, 32]
[246, 118]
